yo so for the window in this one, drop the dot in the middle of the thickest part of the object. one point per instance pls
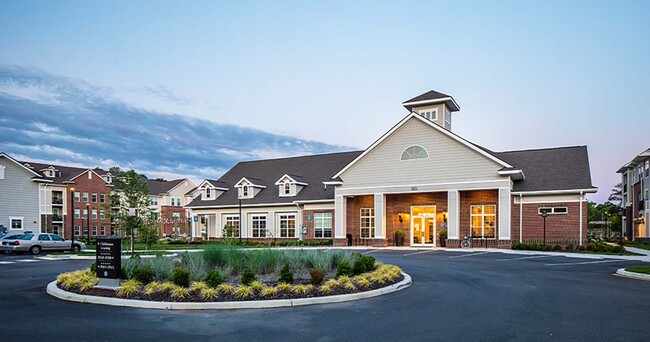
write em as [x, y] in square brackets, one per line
[176, 217]
[85, 197]
[85, 231]
[178, 201]
[483, 220]
[287, 225]
[102, 198]
[94, 214]
[102, 230]
[77, 197]
[76, 230]
[447, 118]
[431, 114]
[208, 193]
[85, 213]
[102, 214]
[93, 197]
[414, 152]
[287, 188]
[16, 222]
[367, 223]
[43, 237]
[77, 213]
[94, 230]
[244, 191]
[173, 201]
[55, 236]
[153, 200]
[231, 220]
[258, 223]
[553, 210]
[2, 171]
[323, 225]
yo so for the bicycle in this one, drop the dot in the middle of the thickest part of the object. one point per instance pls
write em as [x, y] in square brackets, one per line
[468, 242]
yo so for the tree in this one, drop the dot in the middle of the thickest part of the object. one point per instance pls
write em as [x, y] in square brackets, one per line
[130, 200]
[617, 194]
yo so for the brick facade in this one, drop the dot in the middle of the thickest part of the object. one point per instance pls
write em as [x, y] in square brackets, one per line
[167, 218]
[96, 185]
[560, 228]
[308, 222]
[402, 203]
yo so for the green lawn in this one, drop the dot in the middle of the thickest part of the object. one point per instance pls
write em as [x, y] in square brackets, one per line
[637, 245]
[638, 269]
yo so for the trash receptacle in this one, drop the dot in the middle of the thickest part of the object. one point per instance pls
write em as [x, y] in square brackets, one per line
[349, 236]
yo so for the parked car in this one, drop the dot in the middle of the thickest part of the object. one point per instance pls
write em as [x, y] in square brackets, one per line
[9, 237]
[37, 242]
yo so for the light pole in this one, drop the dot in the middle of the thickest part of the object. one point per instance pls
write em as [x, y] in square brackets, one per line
[621, 213]
[72, 217]
[240, 220]
[544, 214]
[607, 215]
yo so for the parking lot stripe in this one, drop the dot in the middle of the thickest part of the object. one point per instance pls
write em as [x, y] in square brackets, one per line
[420, 252]
[470, 254]
[6, 262]
[528, 257]
[49, 258]
[370, 251]
[28, 260]
[585, 262]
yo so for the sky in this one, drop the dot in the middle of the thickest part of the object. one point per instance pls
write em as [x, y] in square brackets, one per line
[526, 74]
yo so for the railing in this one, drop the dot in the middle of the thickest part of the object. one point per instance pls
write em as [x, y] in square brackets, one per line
[57, 200]
[56, 218]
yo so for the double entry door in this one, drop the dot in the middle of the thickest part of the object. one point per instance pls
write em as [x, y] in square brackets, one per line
[423, 226]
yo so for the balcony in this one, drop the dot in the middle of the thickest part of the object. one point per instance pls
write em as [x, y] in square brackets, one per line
[57, 218]
[57, 201]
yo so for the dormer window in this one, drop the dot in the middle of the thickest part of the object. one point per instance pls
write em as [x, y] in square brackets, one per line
[290, 185]
[208, 193]
[287, 188]
[244, 191]
[249, 187]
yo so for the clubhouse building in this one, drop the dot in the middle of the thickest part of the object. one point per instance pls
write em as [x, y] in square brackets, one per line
[419, 179]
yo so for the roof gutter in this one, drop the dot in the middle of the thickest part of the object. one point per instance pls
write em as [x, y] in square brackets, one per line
[556, 192]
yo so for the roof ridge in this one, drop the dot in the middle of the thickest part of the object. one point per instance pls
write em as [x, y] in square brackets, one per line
[543, 149]
[302, 156]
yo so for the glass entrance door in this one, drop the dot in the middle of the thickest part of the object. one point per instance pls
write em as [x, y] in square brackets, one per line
[423, 225]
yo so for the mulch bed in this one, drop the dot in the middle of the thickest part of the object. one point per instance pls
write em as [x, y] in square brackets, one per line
[196, 296]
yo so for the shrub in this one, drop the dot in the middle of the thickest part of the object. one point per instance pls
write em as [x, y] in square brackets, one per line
[285, 275]
[214, 278]
[399, 233]
[93, 267]
[243, 292]
[209, 293]
[180, 292]
[443, 234]
[226, 288]
[152, 288]
[198, 286]
[163, 268]
[316, 276]
[325, 289]
[344, 269]
[284, 287]
[129, 288]
[248, 277]
[365, 263]
[557, 248]
[181, 277]
[269, 291]
[302, 289]
[143, 274]
[195, 264]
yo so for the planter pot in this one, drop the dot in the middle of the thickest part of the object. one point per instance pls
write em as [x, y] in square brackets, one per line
[399, 240]
[443, 242]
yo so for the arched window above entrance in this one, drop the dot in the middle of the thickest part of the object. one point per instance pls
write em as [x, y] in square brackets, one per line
[414, 152]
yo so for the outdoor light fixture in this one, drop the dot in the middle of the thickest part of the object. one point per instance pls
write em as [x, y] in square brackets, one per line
[621, 213]
[444, 216]
[544, 214]
[399, 216]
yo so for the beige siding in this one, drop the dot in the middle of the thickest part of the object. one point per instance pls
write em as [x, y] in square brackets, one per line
[440, 107]
[449, 161]
[19, 196]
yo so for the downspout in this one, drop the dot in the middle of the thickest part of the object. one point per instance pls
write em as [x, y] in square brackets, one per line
[521, 217]
[580, 202]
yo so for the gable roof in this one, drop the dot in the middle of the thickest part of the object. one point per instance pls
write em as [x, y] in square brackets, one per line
[162, 187]
[315, 170]
[431, 97]
[293, 179]
[65, 174]
[551, 169]
[21, 165]
[414, 116]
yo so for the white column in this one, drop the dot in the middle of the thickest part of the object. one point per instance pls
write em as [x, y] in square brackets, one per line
[453, 214]
[504, 213]
[340, 204]
[580, 230]
[380, 216]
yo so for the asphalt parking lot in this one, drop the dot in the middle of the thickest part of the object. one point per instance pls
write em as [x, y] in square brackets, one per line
[454, 296]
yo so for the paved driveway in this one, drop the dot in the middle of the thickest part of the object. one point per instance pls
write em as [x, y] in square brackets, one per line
[454, 296]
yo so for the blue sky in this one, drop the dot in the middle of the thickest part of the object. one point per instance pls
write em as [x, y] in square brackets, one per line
[526, 74]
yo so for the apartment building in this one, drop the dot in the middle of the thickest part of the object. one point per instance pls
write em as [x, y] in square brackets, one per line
[167, 200]
[635, 180]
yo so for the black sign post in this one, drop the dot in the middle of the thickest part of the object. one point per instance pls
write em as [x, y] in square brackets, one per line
[109, 262]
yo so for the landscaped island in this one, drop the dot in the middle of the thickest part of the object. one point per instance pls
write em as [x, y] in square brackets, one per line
[224, 273]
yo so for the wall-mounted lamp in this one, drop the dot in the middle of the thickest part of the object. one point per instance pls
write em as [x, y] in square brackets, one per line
[444, 216]
[399, 216]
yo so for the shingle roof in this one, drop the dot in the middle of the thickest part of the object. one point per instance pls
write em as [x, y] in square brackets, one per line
[429, 95]
[162, 187]
[315, 170]
[65, 172]
[560, 168]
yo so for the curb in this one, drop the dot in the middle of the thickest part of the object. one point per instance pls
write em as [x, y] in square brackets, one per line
[632, 275]
[93, 257]
[54, 291]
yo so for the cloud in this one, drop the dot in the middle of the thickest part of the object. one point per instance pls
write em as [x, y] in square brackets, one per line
[90, 126]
